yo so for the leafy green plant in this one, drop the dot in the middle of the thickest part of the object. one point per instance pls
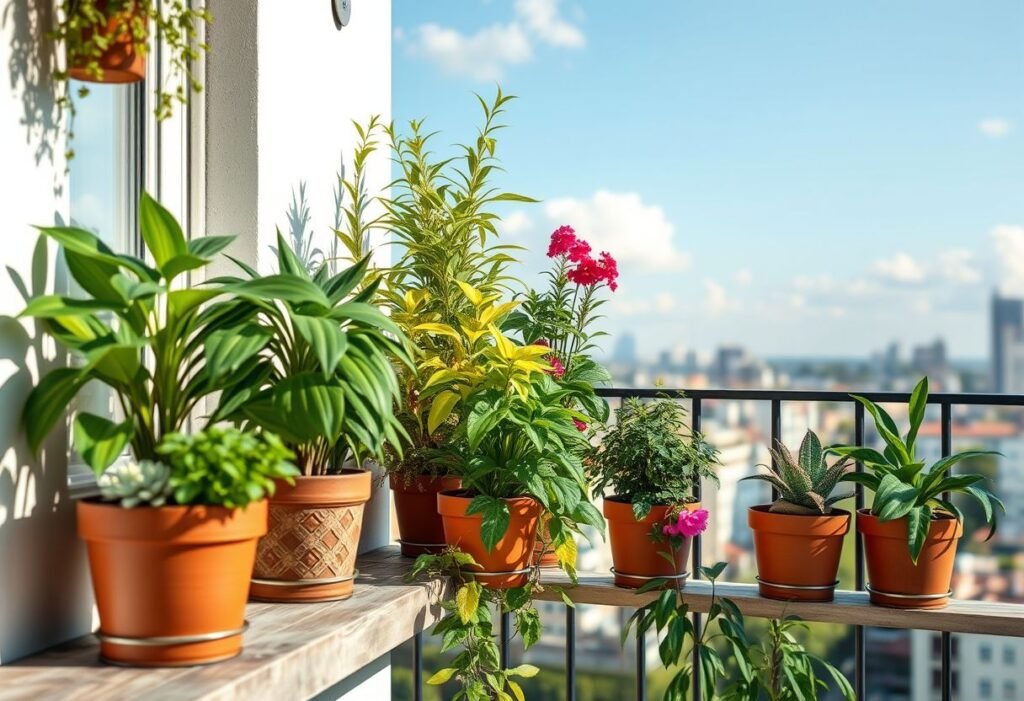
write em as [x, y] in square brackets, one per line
[805, 483]
[468, 622]
[136, 483]
[649, 456]
[323, 376]
[89, 27]
[225, 466]
[902, 485]
[161, 349]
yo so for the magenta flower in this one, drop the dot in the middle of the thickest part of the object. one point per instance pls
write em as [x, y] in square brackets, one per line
[580, 426]
[688, 524]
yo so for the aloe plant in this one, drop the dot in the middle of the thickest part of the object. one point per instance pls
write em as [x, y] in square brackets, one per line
[805, 482]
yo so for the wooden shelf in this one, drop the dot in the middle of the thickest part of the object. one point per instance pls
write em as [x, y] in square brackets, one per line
[850, 607]
[292, 651]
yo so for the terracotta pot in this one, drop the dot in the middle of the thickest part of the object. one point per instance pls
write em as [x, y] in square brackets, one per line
[309, 552]
[512, 553]
[633, 551]
[543, 555]
[797, 555]
[419, 525]
[170, 572]
[121, 63]
[894, 579]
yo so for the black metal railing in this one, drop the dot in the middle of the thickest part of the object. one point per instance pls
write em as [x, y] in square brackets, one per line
[776, 398]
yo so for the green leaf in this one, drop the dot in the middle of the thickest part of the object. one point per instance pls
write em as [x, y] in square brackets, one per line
[527, 671]
[919, 520]
[90, 246]
[714, 571]
[467, 599]
[207, 247]
[918, 404]
[287, 261]
[441, 676]
[300, 409]
[886, 428]
[441, 409]
[227, 349]
[181, 264]
[327, 339]
[100, 441]
[893, 499]
[868, 456]
[161, 232]
[48, 401]
[287, 288]
[495, 519]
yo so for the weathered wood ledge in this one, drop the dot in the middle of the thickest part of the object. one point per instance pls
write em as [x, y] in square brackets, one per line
[850, 607]
[292, 651]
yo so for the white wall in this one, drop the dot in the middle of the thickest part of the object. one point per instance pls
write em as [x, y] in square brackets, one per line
[44, 590]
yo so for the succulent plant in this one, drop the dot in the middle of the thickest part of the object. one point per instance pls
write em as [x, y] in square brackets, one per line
[143, 483]
[804, 483]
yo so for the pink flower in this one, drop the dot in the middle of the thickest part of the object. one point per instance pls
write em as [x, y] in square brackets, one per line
[589, 271]
[557, 369]
[579, 251]
[688, 523]
[580, 426]
[542, 342]
[563, 239]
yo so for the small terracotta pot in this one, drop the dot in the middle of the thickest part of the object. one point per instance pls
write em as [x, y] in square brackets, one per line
[121, 63]
[895, 581]
[170, 572]
[633, 551]
[797, 555]
[309, 552]
[544, 555]
[512, 553]
[419, 525]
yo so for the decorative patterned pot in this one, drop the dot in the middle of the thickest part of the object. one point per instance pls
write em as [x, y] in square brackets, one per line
[170, 581]
[633, 551]
[120, 62]
[309, 552]
[797, 555]
[420, 528]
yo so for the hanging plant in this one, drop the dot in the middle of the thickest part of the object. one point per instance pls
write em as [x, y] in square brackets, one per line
[107, 41]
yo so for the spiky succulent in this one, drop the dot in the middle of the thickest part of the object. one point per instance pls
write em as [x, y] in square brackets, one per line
[805, 483]
[143, 483]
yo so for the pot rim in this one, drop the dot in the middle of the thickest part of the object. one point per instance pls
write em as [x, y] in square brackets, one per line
[451, 503]
[834, 524]
[943, 526]
[657, 512]
[353, 486]
[175, 523]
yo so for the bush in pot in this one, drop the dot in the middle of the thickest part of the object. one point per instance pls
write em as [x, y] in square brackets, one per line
[161, 351]
[324, 381]
[798, 539]
[653, 465]
[912, 528]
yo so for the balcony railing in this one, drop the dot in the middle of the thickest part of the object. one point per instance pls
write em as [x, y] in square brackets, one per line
[849, 607]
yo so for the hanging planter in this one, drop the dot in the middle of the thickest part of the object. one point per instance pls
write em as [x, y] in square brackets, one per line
[309, 552]
[420, 528]
[107, 41]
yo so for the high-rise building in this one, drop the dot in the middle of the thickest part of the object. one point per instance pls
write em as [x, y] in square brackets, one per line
[625, 349]
[1007, 339]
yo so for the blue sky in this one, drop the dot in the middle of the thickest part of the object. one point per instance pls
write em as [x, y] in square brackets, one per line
[804, 178]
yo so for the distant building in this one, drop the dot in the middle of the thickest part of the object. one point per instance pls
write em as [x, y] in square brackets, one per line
[930, 359]
[1007, 344]
[625, 350]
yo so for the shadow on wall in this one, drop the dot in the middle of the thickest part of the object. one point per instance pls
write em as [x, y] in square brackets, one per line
[30, 67]
[45, 595]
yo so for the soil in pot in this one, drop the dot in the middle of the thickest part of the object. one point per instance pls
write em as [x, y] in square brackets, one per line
[419, 525]
[170, 582]
[309, 552]
[508, 564]
[635, 556]
[894, 580]
[121, 62]
[797, 555]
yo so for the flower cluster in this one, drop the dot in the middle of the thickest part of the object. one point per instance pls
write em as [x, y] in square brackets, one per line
[589, 271]
[687, 523]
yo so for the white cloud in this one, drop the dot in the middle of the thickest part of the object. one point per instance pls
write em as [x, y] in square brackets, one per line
[1009, 243]
[957, 265]
[744, 278]
[664, 302]
[543, 19]
[515, 223]
[624, 225]
[995, 127]
[899, 268]
[482, 56]
[485, 54]
[716, 300]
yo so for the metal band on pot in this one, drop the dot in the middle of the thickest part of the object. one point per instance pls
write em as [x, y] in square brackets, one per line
[684, 575]
[926, 597]
[304, 582]
[163, 640]
[799, 587]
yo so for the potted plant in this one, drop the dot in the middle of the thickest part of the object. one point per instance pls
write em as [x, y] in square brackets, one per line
[107, 41]
[652, 463]
[561, 318]
[169, 572]
[323, 380]
[798, 538]
[912, 528]
[441, 215]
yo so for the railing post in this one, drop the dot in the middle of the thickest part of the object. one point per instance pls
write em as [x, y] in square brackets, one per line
[641, 665]
[570, 653]
[696, 411]
[859, 654]
[417, 666]
[947, 641]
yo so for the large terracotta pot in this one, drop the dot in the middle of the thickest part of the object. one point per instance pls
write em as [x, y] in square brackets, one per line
[510, 560]
[170, 581]
[797, 555]
[419, 525]
[543, 553]
[894, 580]
[633, 551]
[309, 552]
[120, 62]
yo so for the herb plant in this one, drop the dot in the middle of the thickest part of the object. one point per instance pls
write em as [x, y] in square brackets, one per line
[162, 350]
[902, 485]
[805, 483]
[225, 466]
[649, 456]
